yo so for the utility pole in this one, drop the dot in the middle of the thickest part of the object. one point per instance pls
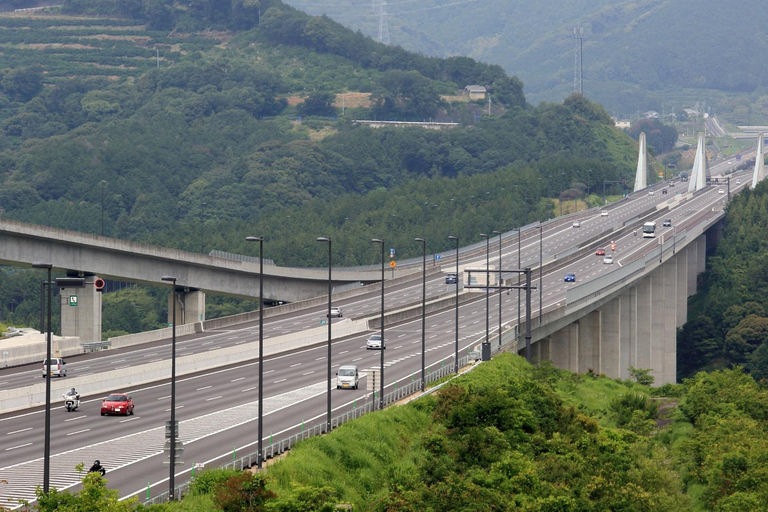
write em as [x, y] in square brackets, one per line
[379, 8]
[578, 71]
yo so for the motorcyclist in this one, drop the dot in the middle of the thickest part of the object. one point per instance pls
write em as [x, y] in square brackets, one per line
[97, 468]
[72, 392]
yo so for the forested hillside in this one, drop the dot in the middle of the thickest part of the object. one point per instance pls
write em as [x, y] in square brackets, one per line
[637, 53]
[204, 129]
[728, 319]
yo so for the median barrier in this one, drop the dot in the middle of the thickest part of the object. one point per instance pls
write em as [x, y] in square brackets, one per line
[156, 335]
[253, 316]
[132, 376]
[411, 312]
[31, 348]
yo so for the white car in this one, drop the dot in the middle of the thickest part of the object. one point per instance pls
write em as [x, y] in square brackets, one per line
[650, 193]
[375, 342]
[347, 377]
[738, 182]
[604, 213]
[720, 191]
[335, 312]
[608, 260]
[56, 367]
[576, 224]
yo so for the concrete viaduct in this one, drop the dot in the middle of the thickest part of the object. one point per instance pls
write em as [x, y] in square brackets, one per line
[629, 317]
[90, 255]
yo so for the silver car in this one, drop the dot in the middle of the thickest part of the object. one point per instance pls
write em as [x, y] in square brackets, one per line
[375, 342]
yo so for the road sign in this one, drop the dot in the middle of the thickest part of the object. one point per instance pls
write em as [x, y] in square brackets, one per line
[393, 263]
[437, 256]
[392, 252]
[168, 429]
[179, 451]
[73, 300]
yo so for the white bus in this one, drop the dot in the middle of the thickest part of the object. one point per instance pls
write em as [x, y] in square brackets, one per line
[649, 230]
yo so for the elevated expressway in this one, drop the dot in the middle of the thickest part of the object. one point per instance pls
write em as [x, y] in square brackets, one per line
[598, 322]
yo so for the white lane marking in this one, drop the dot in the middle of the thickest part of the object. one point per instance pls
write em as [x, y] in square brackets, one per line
[343, 352]
[204, 387]
[297, 364]
[320, 358]
[133, 418]
[399, 346]
[309, 373]
[359, 358]
[118, 361]
[213, 398]
[401, 335]
[268, 371]
[281, 380]
[177, 407]
[121, 367]
[248, 389]
[17, 431]
[164, 397]
[19, 446]
[79, 432]
[235, 380]
[75, 419]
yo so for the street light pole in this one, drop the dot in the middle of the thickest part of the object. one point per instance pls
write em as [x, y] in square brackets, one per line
[486, 355]
[423, 311]
[541, 271]
[456, 348]
[519, 238]
[202, 228]
[501, 282]
[381, 362]
[103, 182]
[330, 292]
[47, 442]
[171, 482]
[260, 448]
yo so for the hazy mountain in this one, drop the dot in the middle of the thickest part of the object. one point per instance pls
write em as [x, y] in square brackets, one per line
[636, 53]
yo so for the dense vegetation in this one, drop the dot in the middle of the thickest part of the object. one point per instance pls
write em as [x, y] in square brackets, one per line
[728, 320]
[190, 140]
[509, 436]
[638, 54]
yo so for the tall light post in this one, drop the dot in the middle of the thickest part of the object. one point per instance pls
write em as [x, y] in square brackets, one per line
[381, 363]
[171, 482]
[423, 310]
[519, 238]
[486, 355]
[541, 270]
[47, 445]
[330, 292]
[456, 348]
[103, 182]
[202, 227]
[501, 281]
[260, 239]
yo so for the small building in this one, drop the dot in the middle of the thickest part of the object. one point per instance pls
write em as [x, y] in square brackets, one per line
[475, 92]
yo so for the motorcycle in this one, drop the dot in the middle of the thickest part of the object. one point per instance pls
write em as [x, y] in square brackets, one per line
[71, 402]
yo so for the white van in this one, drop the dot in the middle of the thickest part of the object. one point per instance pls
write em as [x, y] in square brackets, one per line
[347, 377]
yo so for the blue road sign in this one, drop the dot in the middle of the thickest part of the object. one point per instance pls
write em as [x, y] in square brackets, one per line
[437, 256]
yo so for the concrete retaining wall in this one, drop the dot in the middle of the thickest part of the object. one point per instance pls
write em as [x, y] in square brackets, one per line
[20, 350]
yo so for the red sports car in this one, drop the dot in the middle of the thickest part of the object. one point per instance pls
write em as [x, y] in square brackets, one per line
[117, 403]
[600, 252]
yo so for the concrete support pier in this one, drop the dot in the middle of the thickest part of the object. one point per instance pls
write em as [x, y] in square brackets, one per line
[81, 312]
[190, 307]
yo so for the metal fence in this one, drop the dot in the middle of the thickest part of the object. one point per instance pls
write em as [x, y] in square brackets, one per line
[273, 449]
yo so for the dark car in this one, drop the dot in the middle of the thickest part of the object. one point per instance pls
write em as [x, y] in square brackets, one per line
[451, 279]
[570, 277]
[667, 223]
[663, 191]
[117, 403]
[600, 252]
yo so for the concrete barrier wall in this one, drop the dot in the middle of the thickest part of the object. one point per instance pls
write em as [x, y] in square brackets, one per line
[156, 335]
[414, 311]
[34, 351]
[127, 378]
[253, 316]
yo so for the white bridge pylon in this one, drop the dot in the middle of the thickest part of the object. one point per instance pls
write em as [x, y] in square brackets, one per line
[698, 179]
[642, 166]
[759, 173]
